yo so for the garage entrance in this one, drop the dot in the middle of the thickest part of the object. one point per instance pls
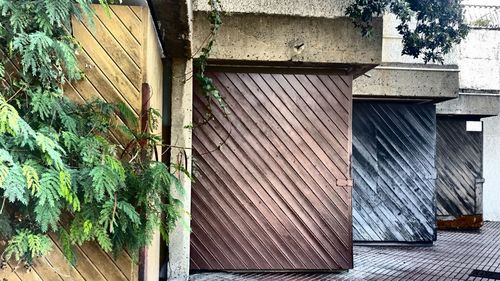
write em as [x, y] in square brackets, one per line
[272, 186]
[460, 172]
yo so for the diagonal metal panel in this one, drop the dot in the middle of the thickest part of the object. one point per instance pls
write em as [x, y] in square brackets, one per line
[459, 166]
[276, 195]
[394, 172]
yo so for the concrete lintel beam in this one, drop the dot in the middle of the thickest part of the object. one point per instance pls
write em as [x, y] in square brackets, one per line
[408, 81]
[471, 104]
[285, 39]
[310, 8]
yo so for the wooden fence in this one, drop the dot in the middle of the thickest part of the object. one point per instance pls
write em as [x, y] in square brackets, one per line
[119, 53]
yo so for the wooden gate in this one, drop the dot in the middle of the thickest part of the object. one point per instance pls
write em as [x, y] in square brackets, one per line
[394, 172]
[272, 179]
[460, 174]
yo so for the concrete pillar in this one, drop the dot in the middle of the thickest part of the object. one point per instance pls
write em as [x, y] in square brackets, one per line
[491, 162]
[181, 140]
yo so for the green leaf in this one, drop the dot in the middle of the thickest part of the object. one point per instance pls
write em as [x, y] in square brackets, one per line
[90, 151]
[70, 140]
[9, 118]
[48, 208]
[15, 185]
[66, 246]
[6, 162]
[26, 136]
[116, 166]
[4, 171]
[130, 211]
[43, 104]
[103, 239]
[32, 178]
[47, 217]
[48, 193]
[53, 151]
[65, 190]
[68, 122]
[107, 216]
[27, 245]
[104, 181]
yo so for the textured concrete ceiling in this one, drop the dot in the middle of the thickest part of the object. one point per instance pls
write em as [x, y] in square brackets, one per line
[174, 22]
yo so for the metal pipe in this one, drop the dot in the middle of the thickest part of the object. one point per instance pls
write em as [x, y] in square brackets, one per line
[145, 106]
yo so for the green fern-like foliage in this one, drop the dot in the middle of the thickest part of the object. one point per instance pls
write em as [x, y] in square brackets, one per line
[429, 28]
[58, 171]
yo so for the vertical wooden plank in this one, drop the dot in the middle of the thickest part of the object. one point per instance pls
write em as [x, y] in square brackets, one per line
[152, 75]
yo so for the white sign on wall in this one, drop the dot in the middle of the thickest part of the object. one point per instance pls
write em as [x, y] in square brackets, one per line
[474, 126]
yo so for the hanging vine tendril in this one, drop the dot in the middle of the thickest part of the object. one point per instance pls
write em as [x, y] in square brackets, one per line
[206, 84]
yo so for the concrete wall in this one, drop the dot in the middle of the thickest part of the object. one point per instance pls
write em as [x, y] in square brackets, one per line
[491, 174]
[471, 104]
[481, 2]
[310, 8]
[406, 77]
[480, 68]
[408, 81]
[480, 60]
[392, 46]
[289, 39]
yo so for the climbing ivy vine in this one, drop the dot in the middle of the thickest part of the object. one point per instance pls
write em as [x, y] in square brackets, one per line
[206, 84]
[59, 172]
[429, 28]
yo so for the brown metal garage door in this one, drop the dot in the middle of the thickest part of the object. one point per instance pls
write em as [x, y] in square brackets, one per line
[277, 194]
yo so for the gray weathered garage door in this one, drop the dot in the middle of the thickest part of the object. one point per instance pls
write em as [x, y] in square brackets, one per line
[394, 172]
[460, 180]
[277, 194]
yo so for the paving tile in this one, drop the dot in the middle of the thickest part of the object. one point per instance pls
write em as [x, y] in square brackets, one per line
[452, 257]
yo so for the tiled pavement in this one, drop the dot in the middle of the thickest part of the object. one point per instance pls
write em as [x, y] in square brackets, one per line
[452, 257]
